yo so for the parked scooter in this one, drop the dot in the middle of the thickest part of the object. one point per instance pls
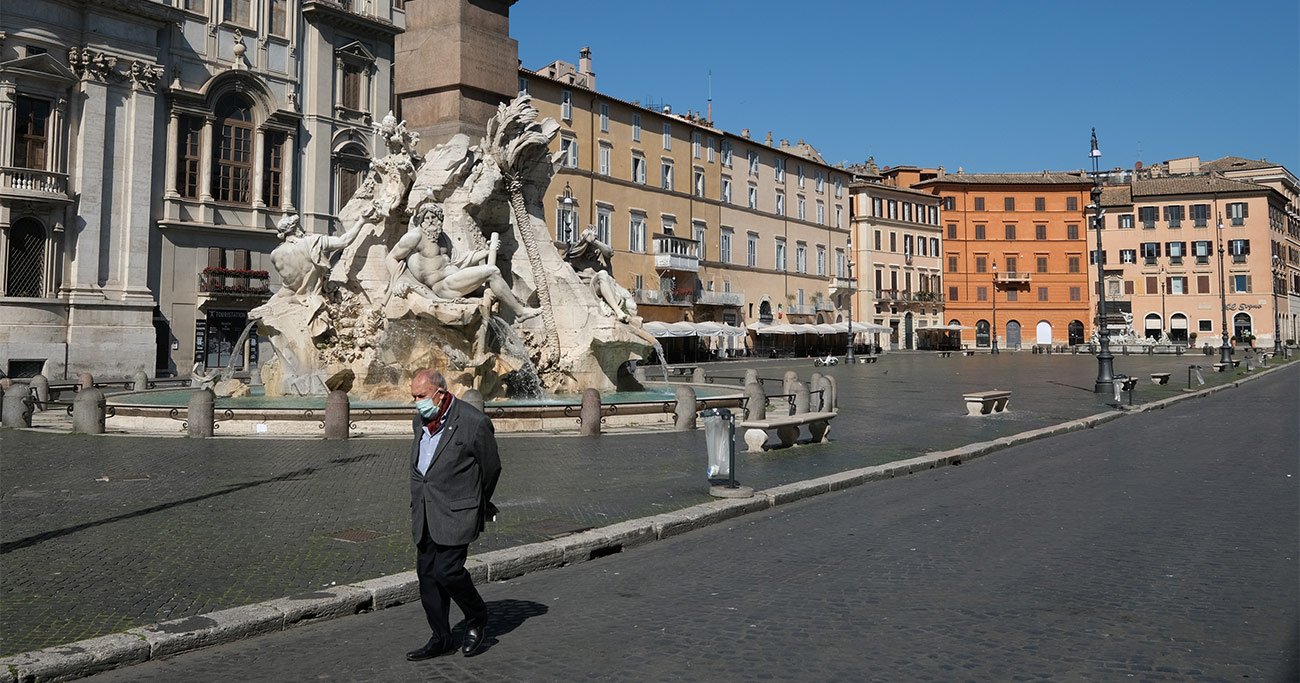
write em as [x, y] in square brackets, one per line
[828, 360]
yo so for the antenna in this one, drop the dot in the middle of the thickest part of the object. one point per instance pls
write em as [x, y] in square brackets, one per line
[710, 110]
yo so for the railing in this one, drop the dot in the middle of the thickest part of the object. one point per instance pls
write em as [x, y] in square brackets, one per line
[33, 181]
[906, 295]
[676, 253]
[238, 282]
[845, 283]
[799, 309]
[709, 298]
[1013, 276]
[823, 305]
[659, 296]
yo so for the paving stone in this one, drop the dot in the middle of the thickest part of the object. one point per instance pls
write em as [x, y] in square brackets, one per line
[213, 628]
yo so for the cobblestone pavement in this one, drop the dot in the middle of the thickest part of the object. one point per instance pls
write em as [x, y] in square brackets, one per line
[104, 533]
[1161, 547]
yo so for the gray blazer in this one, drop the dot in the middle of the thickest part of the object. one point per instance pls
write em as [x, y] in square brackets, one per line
[452, 498]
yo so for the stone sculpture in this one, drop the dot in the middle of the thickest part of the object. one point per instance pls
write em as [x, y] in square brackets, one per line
[446, 262]
[590, 259]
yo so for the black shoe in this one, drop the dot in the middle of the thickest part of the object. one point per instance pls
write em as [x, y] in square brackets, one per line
[431, 649]
[475, 635]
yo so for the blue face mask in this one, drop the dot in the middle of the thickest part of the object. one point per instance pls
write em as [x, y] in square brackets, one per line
[427, 408]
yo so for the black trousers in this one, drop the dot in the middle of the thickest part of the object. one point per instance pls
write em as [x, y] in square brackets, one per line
[443, 578]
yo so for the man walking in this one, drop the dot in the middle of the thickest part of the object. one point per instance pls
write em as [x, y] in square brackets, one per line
[454, 470]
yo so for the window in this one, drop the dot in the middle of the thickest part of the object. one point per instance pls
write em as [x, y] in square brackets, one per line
[892, 205]
[1076, 294]
[753, 196]
[1128, 255]
[841, 264]
[1237, 213]
[821, 259]
[1174, 216]
[31, 132]
[893, 242]
[1177, 285]
[636, 233]
[1176, 251]
[778, 169]
[821, 212]
[1040, 203]
[636, 128]
[1012, 294]
[188, 150]
[952, 263]
[1009, 204]
[569, 146]
[1239, 249]
[1125, 221]
[877, 240]
[238, 12]
[1072, 231]
[1071, 203]
[1239, 283]
[839, 187]
[909, 244]
[780, 253]
[800, 257]
[820, 182]
[638, 168]
[949, 203]
[1011, 264]
[952, 231]
[753, 163]
[273, 168]
[934, 246]
[1092, 256]
[1200, 215]
[278, 22]
[981, 264]
[801, 208]
[233, 172]
[1041, 263]
[726, 153]
[724, 247]
[666, 174]
[697, 182]
[606, 152]
[523, 85]
[981, 293]
[668, 135]
[979, 231]
[24, 272]
[669, 224]
[194, 5]
[907, 211]
[1040, 232]
[699, 233]
[710, 145]
[1204, 325]
[726, 189]
[1010, 231]
[1148, 215]
[604, 222]
[1201, 250]
[350, 96]
[1042, 294]
[566, 105]
[604, 117]
[1202, 284]
[952, 294]
[751, 250]
[1150, 252]
[979, 203]
[780, 203]
[697, 143]
[839, 216]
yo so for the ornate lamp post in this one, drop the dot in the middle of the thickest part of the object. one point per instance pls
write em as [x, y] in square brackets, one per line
[848, 356]
[570, 226]
[1164, 321]
[1225, 351]
[995, 308]
[1278, 272]
[1105, 383]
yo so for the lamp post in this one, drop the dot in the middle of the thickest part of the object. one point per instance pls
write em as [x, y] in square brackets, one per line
[1225, 351]
[848, 356]
[994, 331]
[570, 220]
[1105, 362]
[1278, 272]
[1164, 324]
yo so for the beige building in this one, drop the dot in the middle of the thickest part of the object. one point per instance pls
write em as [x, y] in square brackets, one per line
[144, 169]
[706, 225]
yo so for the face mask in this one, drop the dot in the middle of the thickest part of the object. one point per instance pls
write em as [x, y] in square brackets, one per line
[427, 408]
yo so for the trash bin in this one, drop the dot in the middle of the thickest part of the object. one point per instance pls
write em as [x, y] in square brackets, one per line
[720, 440]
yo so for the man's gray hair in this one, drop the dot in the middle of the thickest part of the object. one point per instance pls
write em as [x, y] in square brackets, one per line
[433, 376]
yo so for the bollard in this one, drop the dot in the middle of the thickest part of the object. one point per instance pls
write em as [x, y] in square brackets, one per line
[474, 397]
[835, 392]
[42, 387]
[788, 381]
[802, 398]
[755, 402]
[751, 377]
[140, 382]
[828, 394]
[818, 400]
[338, 415]
[88, 412]
[639, 374]
[697, 377]
[685, 409]
[85, 381]
[199, 415]
[589, 416]
[17, 406]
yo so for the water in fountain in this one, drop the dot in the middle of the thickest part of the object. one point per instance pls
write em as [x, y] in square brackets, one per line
[237, 358]
[663, 362]
[524, 381]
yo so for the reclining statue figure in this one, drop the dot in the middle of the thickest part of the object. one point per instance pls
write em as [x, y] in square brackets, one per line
[590, 259]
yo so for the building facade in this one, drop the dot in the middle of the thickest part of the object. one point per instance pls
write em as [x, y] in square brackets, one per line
[1014, 256]
[147, 166]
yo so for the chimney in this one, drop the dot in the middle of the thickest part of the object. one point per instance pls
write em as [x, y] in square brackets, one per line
[584, 67]
[768, 140]
[744, 133]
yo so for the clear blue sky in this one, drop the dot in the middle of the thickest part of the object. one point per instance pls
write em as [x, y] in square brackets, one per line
[987, 86]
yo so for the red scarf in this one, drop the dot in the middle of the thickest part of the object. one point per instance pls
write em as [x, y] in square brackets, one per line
[435, 425]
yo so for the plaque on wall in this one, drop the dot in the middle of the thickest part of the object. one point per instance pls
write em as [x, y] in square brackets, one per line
[200, 339]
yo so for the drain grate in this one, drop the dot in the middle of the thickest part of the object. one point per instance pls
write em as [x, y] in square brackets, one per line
[356, 535]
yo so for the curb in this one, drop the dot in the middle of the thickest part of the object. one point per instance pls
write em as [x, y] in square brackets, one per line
[137, 645]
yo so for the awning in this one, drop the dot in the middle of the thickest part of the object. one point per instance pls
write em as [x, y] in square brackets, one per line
[948, 328]
[689, 329]
[863, 328]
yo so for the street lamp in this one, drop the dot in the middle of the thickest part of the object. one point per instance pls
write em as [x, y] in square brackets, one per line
[570, 219]
[1163, 320]
[1105, 362]
[1225, 351]
[848, 356]
[1278, 272]
[995, 308]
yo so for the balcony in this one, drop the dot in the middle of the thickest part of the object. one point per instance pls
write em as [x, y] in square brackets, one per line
[676, 253]
[799, 309]
[30, 183]
[660, 297]
[908, 296]
[370, 17]
[824, 305]
[1012, 277]
[707, 298]
[232, 282]
[844, 284]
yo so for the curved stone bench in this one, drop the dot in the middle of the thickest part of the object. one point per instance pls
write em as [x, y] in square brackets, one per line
[1159, 378]
[786, 428]
[987, 402]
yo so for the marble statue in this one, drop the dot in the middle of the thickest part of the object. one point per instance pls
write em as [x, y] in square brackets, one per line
[590, 259]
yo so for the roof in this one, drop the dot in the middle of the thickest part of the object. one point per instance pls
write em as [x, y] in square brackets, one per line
[1202, 184]
[1231, 163]
[1116, 195]
[1040, 178]
[877, 185]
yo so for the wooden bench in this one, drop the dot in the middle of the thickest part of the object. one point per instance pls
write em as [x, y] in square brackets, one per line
[987, 402]
[786, 428]
[1159, 378]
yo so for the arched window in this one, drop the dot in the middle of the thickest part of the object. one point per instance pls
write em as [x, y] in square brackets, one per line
[26, 259]
[982, 333]
[1153, 326]
[1178, 328]
[1241, 326]
[765, 311]
[1076, 332]
[1013, 334]
[232, 172]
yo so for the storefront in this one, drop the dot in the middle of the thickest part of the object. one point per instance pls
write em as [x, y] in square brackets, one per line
[219, 339]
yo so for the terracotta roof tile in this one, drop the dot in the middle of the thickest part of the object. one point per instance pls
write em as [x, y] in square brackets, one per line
[1040, 178]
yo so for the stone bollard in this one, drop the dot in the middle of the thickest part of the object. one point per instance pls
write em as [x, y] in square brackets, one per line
[697, 377]
[589, 416]
[751, 377]
[685, 409]
[42, 387]
[818, 401]
[88, 412]
[474, 397]
[85, 381]
[140, 382]
[788, 381]
[199, 415]
[338, 415]
[835, 392]
[802, 398]
[639, 374]
[828, 394]
[17, 406]
[755, 402]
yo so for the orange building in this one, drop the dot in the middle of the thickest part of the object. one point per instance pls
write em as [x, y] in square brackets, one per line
[1015, 256]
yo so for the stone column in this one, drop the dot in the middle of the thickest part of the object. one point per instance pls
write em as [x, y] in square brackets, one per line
[58, 136]
[88, 176]
[259, 155]
[205, 160]
[136, 222]
[173, 149]
[8, 91]
[286, 177]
